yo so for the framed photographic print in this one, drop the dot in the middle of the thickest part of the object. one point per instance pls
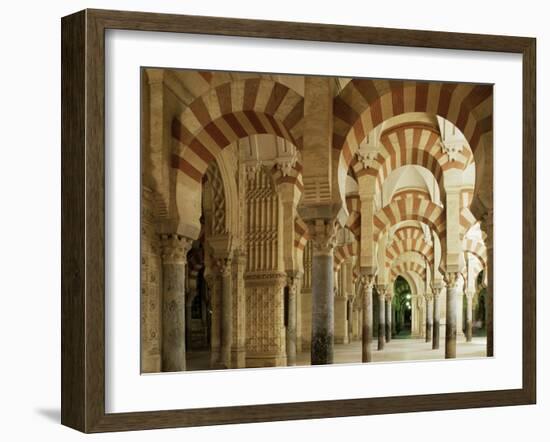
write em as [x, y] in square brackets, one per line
[270, 220]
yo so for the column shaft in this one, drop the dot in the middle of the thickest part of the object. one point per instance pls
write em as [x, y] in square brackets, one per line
[381, 322]
[291, 321]
[388, 319]
[174, 259]
[436, 317]
[451, 316]
[367, 322]
[226, 330]
[322, 309]
[429, 318]
[469, 322]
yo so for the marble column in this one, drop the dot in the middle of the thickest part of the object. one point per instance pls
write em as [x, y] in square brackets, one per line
[322, 308]
[226, 323]
[381, 317]
[388, 317]
[429, 316]
[460, 314]
[469, 315]
[436, 316]
[367, 283]
[292, 284]
[174, 261]
[451, 280]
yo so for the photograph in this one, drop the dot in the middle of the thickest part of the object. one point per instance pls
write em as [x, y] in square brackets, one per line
[296, 220]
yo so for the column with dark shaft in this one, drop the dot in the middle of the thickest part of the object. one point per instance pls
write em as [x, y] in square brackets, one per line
[436, 314]
[381, 317]
[292, 284]
[322, 308]
[451, 315]
[226, 330]
[388, 316]
[429, 316]
[469, 319]
[487, 226]
[174, 260]
[367, 283]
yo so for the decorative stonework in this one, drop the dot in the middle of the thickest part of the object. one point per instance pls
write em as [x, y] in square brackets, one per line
[367, 157]
[451, 279]
[218, 199]
[252, 169]
[367, 281]
[225, 267]
[286, 164]
[265, 316]
[452, 149]
[323, 236]
[175, 248]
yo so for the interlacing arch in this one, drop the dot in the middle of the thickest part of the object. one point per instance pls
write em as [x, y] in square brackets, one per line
[230, 112]
[364, 104]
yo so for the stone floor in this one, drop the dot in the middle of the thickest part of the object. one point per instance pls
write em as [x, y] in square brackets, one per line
[396, 350]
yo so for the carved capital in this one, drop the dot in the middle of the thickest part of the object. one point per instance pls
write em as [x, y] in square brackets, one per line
[452, 149]
[382, 290]
[367, 157]
[293, 281]
[367, 280]
[286, 164]
[175, 248]
[428, 297]
[224, 265]
[451, 279]
[323, 236]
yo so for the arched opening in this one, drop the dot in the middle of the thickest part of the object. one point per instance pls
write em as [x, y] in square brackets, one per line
[402, 308]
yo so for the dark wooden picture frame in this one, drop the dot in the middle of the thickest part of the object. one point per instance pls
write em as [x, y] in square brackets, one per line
[83, 216]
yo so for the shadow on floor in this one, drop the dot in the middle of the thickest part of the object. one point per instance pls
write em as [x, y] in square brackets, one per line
[51, 414]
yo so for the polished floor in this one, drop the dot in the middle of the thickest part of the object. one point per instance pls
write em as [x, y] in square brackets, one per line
[397, 350]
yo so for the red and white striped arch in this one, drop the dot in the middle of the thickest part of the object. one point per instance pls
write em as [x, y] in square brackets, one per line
[400, 246]
[344, 251]
[353, 223]
[232, 111]
[410, 207]
[403, 268]
[477, 248]
[411, 144]
[364, 104]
